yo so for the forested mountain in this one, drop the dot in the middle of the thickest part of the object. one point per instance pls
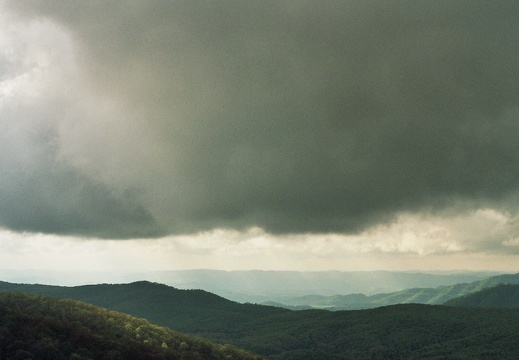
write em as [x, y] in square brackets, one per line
[390, 332]
[431, 296]
[160, 304]
[41, 327]
[500, 296]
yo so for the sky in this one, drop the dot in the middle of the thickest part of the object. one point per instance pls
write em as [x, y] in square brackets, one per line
[286, 135]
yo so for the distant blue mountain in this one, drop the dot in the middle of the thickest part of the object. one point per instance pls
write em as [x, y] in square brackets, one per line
[431, 296]
[257, 286]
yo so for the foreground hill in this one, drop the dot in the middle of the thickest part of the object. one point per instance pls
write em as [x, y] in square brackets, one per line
[501, 296]
[196, 310]
[431, 296]
[41, 327]
[390, 332]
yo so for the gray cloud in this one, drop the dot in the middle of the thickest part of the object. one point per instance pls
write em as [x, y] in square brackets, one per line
[291, 116]
[40, 194]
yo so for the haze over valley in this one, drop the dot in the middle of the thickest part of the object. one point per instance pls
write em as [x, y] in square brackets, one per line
[480, 321]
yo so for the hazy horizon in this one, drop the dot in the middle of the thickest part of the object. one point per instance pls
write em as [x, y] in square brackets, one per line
[259, 286]
[271, 135]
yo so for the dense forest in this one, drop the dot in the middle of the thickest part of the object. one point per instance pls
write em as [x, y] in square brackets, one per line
[389, 332]
[41, 327]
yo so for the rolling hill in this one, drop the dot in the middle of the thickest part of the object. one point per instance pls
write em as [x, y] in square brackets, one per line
[42, 327]
[389, 332]
[195, 311]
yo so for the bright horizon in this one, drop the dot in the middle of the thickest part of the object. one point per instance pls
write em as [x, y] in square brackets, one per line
[351, 136]
[405, 246]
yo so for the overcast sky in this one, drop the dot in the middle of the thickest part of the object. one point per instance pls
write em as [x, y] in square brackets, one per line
[259, 134]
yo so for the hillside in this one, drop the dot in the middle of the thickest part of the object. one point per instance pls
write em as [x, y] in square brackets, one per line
[192, 310]
[500, 296]
[431, 296]
[401, 331]
[41, 327]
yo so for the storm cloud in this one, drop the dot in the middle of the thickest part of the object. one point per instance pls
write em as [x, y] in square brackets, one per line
[185, 116]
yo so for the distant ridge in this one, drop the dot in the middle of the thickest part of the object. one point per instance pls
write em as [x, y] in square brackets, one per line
[500, 296]
[430, 296]
[258, 286]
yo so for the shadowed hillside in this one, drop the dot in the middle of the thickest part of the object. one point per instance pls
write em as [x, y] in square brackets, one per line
[199, 310]
[41, 327]
[390, 332]
[501, 296]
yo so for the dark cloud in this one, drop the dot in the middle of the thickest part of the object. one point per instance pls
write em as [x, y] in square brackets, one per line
[292, 116]
[43, 195]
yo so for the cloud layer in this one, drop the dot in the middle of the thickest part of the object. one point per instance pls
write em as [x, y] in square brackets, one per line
[142, 119]
[479, 240]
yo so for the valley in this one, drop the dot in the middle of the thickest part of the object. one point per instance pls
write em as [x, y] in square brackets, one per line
[405, 330]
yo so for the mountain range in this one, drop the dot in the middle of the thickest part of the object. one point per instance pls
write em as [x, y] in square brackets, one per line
[258, 286]
[386, 332]
[431, 296]
[42, 327]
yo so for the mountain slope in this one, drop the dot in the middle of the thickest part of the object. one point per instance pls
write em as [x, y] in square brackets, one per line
[160, 304]
[500, 296]
[42, 327]
[431, 296]
[401, 331]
